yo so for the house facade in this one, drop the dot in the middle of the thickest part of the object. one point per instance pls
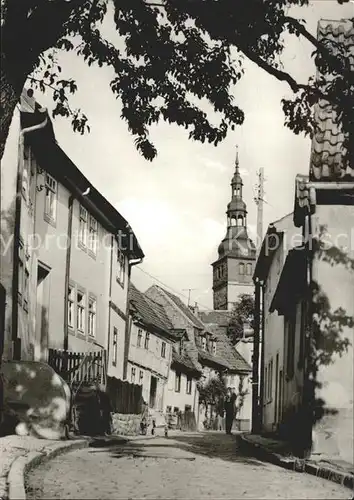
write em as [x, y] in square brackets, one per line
[238, 374]
[150, 348]
[67, 252]
[206, 346]
[315, 290]
[182, 390]
[277, 391]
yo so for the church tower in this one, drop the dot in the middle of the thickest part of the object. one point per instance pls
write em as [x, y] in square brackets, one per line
[233, 270]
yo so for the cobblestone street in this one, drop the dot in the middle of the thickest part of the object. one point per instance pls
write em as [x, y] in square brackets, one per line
[198, 466]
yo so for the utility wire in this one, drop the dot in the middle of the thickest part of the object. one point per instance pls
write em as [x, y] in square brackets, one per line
[170, 288]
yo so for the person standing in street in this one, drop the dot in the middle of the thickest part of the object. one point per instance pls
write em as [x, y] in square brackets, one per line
[229, 407]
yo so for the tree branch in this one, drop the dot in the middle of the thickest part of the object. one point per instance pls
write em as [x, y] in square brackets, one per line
[324, 51]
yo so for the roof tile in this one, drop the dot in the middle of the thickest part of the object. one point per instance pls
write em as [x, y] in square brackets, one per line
[327, 155]
[150, 312]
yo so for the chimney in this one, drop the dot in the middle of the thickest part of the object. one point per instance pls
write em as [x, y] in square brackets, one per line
[194, 309]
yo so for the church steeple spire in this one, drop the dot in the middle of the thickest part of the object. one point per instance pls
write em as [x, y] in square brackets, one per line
[233, 270]
[236, 209]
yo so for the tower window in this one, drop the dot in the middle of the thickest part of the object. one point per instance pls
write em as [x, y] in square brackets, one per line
[240, 220]
[233, 221]
[249, 269]
[241, 268]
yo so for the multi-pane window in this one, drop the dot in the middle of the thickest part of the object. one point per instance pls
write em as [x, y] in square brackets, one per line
[189, 385]
[147, 339]
[51, 193]
[204, 343]
[80, 312]
[120, 266]
[83, 225]
[133, 372]
[71, 306]
[92, 316]
[92, 237]
[140, 336]
[115, 346]
[178, 382]
[141, 377]
[163, 350]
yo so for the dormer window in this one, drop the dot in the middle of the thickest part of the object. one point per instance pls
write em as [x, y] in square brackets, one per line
[213, 346]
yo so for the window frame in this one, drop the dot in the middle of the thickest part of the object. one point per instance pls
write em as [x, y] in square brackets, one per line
[79, 308]
[71, 305]
[178, 377]
[189, 385]
[121, 262]
[139, 337]
[83, 225]
[132, 374]
[163, 350]
[92, 315]
[50, 186]
[92, 241]
[147, 340]
[115, 346]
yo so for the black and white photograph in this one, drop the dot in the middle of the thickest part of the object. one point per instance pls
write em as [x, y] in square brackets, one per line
[177, 249]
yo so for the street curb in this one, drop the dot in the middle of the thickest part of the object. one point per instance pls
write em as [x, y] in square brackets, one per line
[21, 465]
[299, 465]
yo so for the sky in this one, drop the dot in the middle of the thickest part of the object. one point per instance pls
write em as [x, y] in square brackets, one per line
[176, 204]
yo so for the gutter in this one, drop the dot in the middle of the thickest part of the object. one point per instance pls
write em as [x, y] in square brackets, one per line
[17, 232]
[131, 263]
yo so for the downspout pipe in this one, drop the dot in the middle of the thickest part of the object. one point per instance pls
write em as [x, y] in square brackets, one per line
[309, 390]
[17, 233]
[131, 263]
[255, 361]
[262, 339]
[109, 303]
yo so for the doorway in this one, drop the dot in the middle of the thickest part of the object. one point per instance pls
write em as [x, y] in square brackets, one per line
[42, 313]
[153, 389]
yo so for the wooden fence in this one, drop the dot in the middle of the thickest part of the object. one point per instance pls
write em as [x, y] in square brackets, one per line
[124, 397]
[79, 366]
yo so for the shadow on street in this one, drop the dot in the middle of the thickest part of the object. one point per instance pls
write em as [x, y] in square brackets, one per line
[211, 445]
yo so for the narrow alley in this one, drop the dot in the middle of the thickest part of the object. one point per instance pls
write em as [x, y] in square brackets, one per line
[198, 466]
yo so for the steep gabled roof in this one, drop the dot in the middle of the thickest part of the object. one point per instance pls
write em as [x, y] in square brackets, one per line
[150, 313]
[226, 351]
[327, 153]
[221, 318]
[56, 162]
[185, 310]
[184, 362]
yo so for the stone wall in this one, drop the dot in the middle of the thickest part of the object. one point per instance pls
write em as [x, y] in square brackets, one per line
[126, 425]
